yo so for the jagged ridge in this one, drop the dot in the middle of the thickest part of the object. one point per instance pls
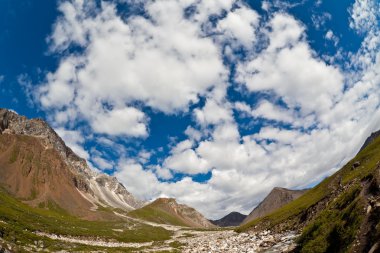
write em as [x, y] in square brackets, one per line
[97, 188]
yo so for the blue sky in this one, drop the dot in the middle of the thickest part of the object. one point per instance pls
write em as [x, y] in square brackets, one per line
[211, 102]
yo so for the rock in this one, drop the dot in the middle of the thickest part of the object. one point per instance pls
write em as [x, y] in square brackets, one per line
[85, 179]
[374, 248]
[355, 165]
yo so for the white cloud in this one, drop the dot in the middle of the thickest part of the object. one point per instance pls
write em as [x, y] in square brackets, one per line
[75, 140]
[364, 15]
[184, 159]
[265, 5]
[320, 20]
[168, 62]
[143, 184]
[123, 62]
[289, 68]
[331, 36]
[213, 113]
[102, 163]
[162, 173]
[267, 110]
[126, 121]
[240, 25]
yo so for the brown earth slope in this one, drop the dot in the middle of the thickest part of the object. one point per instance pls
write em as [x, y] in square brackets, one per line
[37, 166]
[38, 175]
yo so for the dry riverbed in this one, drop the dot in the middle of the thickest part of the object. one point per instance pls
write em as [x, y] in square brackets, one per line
[188, 241]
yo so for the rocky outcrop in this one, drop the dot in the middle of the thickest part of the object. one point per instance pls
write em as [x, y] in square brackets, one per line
[100, 189]
[277, 198]
[231, 219]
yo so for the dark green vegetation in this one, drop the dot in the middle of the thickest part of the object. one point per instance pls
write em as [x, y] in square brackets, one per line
[334, 214]
[334, 228]
[18, 221]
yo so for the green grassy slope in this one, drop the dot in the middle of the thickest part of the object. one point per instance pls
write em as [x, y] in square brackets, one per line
[333, 212]
[154, 212]
[18, 221]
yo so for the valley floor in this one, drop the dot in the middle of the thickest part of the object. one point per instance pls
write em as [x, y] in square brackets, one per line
[187, 241]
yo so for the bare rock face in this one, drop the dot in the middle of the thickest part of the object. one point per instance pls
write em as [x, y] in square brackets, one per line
[99, 189]
[277, 198]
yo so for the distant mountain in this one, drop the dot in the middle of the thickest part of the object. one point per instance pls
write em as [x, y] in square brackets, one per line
[341, 214]
[277, 198]
[37, 167]
[168, 211]
[230, 220]
[370, 139]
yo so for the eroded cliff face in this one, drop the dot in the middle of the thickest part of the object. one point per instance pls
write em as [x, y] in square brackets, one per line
[94, 188]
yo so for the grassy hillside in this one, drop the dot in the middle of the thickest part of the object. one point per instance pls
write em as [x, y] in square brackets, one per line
[18, 221]
[334, 213]
[156, 212]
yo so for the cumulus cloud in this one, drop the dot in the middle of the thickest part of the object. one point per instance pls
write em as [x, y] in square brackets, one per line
[102, 163]
[75, 140]
[123, 62]
[240, 25]
[289, 67]
[169, 59]
[267, 110]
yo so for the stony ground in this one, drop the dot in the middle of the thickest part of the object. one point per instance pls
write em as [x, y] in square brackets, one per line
[230, 241]
[189, 241]
[184, 240]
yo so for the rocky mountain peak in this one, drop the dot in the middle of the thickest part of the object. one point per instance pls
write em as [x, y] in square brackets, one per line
[100, 189]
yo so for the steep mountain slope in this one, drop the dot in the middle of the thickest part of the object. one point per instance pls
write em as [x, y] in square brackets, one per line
[370, 139]
[341, 214]
[38, 167]
[231, 219]
[277, 198]
[20, 224]
[168, 211]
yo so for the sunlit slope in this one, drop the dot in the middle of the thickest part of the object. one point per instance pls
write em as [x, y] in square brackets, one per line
[340, 210]
[19, 221]
[168, 211]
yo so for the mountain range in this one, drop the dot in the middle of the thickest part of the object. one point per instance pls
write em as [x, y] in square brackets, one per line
[38, 168]
[47, 190]
[341, 214]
